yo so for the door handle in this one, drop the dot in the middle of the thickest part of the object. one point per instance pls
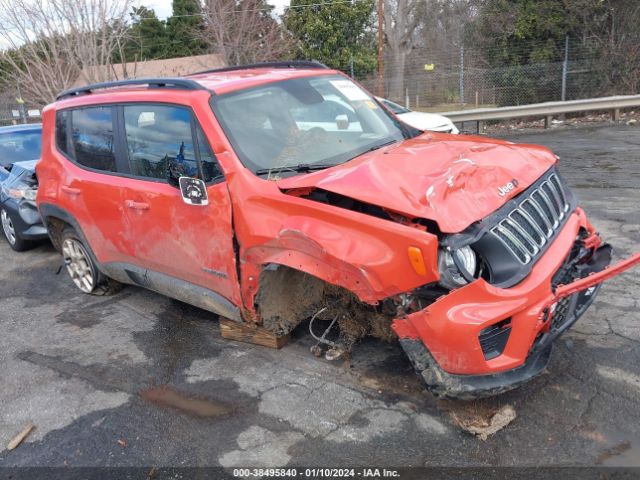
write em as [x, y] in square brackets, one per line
[70, 190]
[137, 205]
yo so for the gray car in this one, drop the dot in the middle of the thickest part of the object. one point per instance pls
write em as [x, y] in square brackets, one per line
[19, 152]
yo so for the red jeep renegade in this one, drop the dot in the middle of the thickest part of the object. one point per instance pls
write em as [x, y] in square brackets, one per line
[276, 193]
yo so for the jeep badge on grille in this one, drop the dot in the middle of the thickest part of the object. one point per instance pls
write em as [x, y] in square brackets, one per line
[504, 189]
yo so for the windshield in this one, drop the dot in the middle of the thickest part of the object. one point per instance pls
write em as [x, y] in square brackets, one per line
[322, 121]
[19, 146]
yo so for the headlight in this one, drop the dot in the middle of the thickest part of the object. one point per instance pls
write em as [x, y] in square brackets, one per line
[455, 272]
[21, 192]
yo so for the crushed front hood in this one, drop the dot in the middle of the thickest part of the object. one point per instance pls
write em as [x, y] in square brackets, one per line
[454, 180]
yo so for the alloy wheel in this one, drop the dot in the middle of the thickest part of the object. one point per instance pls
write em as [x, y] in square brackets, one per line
[7, 227]
[78, 264]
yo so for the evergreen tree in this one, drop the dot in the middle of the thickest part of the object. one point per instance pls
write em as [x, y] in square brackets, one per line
[148, 36]
[336, 33]
[184, 28]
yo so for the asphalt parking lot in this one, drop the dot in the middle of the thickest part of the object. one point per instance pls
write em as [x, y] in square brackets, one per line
[140, 380]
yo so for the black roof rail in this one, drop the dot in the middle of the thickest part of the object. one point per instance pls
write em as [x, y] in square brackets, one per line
[169, 82]
[281, 64]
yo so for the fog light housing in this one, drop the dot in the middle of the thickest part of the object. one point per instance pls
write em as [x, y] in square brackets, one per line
[493, 339]
[457, 267]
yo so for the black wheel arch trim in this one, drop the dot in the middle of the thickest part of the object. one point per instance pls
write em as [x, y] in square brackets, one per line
[48, 211]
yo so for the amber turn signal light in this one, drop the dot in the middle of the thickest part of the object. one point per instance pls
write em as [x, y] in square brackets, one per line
[417, 261]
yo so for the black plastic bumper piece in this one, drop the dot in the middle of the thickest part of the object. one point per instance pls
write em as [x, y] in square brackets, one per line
[468, 387]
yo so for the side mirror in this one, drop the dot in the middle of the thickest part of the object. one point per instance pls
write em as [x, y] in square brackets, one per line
[194, 191]
[342, 122]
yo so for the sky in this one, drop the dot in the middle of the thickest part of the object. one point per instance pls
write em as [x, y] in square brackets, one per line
[163, 7]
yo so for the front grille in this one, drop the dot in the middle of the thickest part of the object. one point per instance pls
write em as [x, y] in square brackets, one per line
[528, 227]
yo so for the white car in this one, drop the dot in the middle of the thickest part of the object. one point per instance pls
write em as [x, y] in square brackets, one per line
[420, 120]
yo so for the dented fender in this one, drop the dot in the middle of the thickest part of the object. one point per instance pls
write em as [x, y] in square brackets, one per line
[366, 255]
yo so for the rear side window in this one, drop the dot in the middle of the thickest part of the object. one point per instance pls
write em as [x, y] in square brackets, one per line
[93, 139]
[159, 136]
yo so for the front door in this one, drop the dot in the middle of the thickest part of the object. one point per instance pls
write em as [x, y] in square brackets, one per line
[193, 243]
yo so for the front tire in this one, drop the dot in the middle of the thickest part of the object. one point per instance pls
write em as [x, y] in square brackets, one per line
[82, 269]
[11, 235]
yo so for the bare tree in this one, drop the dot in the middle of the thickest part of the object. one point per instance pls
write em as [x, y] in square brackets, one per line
[445, 24]
[51, 44]
[401, 20]
[614, 37]
[243, 31]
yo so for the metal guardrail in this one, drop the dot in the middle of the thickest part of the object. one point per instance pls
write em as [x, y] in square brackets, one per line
[546, 110]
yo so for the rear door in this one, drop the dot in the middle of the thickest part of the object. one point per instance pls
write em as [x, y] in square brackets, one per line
[89, 186]
[193, 243]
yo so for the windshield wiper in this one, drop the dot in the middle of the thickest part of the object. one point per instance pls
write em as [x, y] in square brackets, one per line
[300, 168]
[377, 147]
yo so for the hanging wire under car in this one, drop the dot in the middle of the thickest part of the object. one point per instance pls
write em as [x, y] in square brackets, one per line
[336, 350]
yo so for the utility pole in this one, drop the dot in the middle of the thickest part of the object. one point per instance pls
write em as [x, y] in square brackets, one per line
[380, 86]
[461, 73]
[351, 52]
[565, 69]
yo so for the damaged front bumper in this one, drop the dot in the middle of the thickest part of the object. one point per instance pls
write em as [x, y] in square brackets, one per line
[445, 341]
[26, 219]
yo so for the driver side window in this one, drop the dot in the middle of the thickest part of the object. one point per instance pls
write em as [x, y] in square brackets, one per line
[160, 136]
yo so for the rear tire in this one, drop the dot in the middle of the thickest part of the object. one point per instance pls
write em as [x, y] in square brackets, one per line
[81, 267]
[9, 231]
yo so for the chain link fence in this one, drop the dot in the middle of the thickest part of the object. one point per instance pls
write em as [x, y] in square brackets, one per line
[493, 87]
[483, 87]
[13, 112]
[458, 80]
